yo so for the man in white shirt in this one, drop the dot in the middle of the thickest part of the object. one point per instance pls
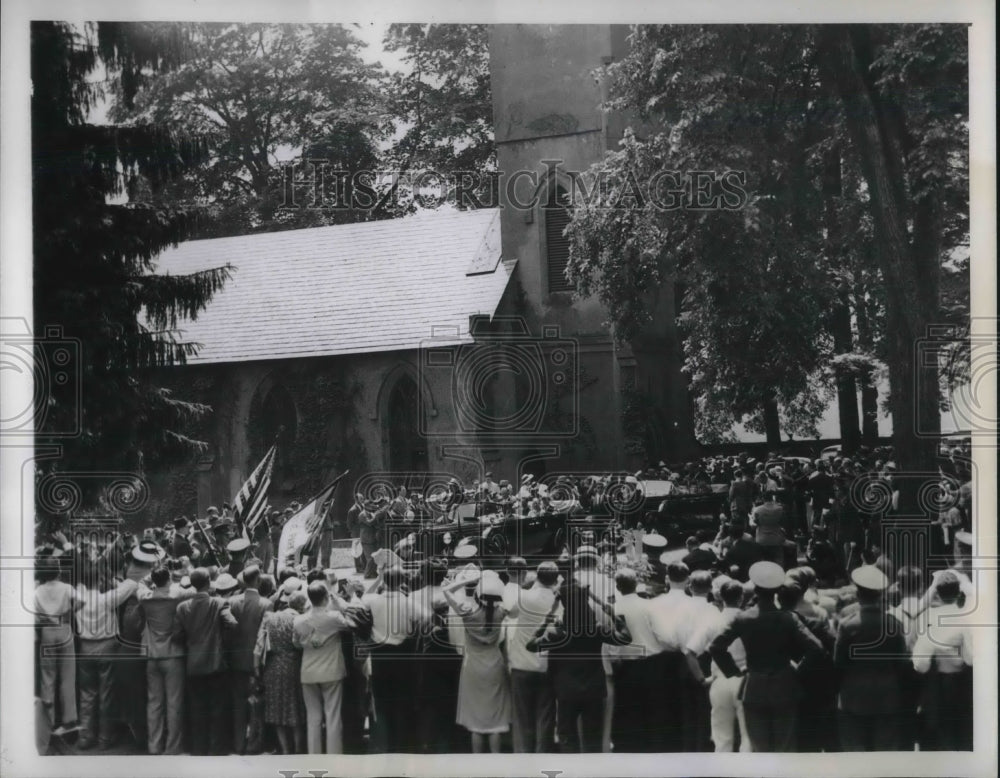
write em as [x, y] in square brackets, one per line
[531, 688]
[723, 694]
[669, 616]
[702, 625]
[394, 624]
[945, 645]
[97, 622]
[635, 665]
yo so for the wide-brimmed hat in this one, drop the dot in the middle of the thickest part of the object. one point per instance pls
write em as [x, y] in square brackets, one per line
[225, 583]
[490, 584]
[147, 551]
[289, 586]
[465, 551]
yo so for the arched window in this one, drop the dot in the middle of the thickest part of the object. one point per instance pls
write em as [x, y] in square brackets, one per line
[278, 422]
[407, 447]
[557, 215]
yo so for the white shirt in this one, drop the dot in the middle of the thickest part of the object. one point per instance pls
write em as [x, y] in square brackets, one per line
[703, 624]
[946, 640]
[668, 616]
[529, 611]
[635, 610]
[98, 618]
[736, 649]
[393, 618]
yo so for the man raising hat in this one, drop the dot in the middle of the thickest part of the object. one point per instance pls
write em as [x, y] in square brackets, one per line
[772, 638]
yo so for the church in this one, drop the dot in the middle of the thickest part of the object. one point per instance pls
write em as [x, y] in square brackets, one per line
[445, 343]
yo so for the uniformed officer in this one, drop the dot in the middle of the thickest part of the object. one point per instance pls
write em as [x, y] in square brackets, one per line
[872, 667]
[771, 637]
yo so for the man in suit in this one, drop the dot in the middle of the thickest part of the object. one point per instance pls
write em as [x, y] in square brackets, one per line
[872, 664]
[372, 536]
[248, 608]
[741, 494]
[164, 667]
[199, 624]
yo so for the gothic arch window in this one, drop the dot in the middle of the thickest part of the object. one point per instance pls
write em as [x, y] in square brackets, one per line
[557, 214]
[279, 422]
[406, 446]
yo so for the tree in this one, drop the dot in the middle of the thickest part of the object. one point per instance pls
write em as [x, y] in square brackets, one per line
[757, 277]
[442, 106]
[774, 102]
[252, 91]
[903, 91]
[93, 257]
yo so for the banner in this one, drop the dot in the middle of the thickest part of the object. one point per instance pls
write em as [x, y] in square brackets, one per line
[303, 525]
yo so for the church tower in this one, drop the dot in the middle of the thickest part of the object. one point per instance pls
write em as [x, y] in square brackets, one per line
[631, 399]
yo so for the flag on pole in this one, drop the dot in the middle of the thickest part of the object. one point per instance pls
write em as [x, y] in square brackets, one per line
[300, 529]
[251, 501]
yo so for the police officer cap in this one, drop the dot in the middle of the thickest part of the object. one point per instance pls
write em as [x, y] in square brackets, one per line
[238, 544]
[869, 577]
[654, 541]
[767, 575]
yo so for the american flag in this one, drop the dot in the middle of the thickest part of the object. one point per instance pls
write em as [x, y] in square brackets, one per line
[250, 504]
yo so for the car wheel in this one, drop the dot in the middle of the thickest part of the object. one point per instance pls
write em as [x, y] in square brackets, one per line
[496, 544]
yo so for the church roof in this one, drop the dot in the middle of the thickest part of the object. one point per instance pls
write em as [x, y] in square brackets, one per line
[345, 289]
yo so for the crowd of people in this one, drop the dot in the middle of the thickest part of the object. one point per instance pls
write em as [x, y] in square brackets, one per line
[786, 628]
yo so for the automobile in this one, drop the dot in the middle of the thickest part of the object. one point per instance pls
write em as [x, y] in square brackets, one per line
[677, 512]
[830, 453]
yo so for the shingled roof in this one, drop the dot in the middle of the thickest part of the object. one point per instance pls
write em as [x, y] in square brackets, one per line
[346, 289]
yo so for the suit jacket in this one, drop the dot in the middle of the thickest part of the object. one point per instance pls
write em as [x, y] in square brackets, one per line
[371, 527]
[199, 624]
[249, 609]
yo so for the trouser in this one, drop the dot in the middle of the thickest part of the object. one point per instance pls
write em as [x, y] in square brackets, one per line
[771, 702]
[130, 675]
[97, 689]
[323, 702]
[208, 715]
[947, 711]
[878, 732]
[392, 689]
[580, 724]
[634, 729]
[165, 705]
[239, 685]
[368, 550]
[671, 719]
[727, 713]
[57, 673]
[534, 711]
[696, 721]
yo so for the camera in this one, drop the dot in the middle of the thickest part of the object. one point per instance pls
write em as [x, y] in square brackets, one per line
[46, 381]
[503, 381]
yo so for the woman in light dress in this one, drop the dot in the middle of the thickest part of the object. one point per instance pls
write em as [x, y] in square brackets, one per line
[484, 703]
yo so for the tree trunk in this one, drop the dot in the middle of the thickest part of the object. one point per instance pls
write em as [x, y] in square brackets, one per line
[910, 275]
[869, 392]
[847, 390]
[840, 318]
[772, 422]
